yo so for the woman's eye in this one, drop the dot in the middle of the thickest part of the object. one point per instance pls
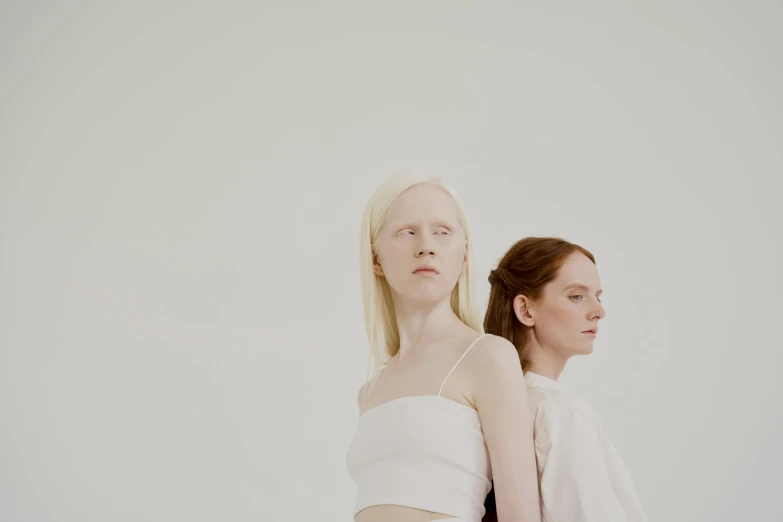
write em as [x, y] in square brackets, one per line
[577, 297]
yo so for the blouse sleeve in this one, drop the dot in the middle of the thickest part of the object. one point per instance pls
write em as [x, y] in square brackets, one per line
[579, 482]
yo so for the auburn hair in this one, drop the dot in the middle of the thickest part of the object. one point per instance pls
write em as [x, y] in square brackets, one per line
[525, 269]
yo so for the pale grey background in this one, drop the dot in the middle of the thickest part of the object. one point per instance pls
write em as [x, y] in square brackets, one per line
[180, 193]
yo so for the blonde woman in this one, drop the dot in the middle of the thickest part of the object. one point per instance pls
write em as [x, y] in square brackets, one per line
[446, 411]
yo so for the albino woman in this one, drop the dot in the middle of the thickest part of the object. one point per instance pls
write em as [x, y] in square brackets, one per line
[446, 411]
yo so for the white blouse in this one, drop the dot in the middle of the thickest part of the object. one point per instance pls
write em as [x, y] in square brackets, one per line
[580, 474]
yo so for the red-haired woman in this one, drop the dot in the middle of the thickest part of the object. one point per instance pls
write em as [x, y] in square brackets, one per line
[546, 300]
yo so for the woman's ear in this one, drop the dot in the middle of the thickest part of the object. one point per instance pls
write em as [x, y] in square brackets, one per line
[376, 265]
[523, 311]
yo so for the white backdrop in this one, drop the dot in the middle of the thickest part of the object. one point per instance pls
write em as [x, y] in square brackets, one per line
[180, 192]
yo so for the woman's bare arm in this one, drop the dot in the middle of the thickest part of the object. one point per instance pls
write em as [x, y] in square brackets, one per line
[500, 396]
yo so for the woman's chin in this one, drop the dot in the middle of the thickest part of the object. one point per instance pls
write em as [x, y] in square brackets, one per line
[424, 295]
[584, 348]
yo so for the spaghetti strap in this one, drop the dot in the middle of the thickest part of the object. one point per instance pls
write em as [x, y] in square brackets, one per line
[457, 363]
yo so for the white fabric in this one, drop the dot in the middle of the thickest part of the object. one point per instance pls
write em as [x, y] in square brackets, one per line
[425, 452]
[580, 473]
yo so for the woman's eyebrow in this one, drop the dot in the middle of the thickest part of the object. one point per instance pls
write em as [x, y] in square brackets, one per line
[580, 286]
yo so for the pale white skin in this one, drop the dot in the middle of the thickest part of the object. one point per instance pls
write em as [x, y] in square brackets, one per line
[562, 317]
[422, 228]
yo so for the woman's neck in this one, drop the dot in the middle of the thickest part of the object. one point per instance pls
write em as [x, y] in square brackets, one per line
[544, 361]
[421, 324]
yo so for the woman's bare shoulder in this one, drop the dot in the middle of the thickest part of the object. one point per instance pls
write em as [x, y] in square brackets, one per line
[492, 352]
[364, 391]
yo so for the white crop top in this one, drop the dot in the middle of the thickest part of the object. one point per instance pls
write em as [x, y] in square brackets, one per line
[425, 452]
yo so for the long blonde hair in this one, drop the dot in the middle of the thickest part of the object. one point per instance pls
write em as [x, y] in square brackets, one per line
[379, 318]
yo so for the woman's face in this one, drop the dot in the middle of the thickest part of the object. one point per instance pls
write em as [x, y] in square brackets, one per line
[421, 248]
[565, 317]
